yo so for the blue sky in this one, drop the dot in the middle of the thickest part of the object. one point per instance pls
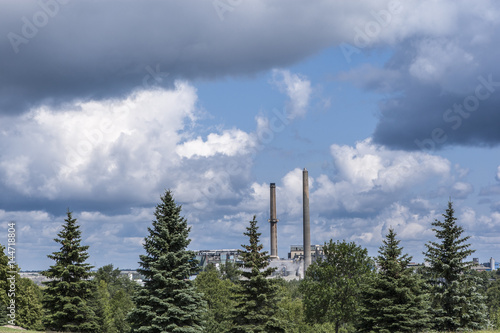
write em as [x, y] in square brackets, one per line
[393, 107]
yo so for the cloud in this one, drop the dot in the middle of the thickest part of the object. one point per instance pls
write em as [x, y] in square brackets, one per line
[92, 51]
[111, 154]
[440, 84]
[96, 149]
[369, 176]
[297, 88]
[231, 142]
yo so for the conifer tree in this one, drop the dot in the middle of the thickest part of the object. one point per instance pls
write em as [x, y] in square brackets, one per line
[168, 302]
[394, 300]
[456, 301]
[256, 295]
[67, 296]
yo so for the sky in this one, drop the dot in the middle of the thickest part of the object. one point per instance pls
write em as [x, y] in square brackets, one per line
[392, 106]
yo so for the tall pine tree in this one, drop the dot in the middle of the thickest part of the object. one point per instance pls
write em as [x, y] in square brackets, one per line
[256, 295]
[394, 300]
[168, 302]
[67, 295]
[456, 301]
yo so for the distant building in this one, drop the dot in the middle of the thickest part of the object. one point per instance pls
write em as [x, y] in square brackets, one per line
[297, 252]
[217, 257]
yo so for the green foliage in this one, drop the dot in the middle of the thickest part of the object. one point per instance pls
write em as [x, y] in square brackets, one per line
[29, 305]
[113, 299]
[291, 310]
[68, 293]
[394, 300]
[28, 296]
[230, 271]
[103, 308]
[217, 292]
[332, 286]
[168, 302]
[255, 295]
[4, 285]
[456, 299]
[493, 302]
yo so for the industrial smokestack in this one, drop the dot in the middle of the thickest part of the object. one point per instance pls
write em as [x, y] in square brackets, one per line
[273, 221]
[307, 224]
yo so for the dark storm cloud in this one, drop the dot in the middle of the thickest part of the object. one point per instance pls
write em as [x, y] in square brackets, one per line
[425, 119]
[447, 92]
[54, 51]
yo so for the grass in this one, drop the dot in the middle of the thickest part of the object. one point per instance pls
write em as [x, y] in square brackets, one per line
[5, 329]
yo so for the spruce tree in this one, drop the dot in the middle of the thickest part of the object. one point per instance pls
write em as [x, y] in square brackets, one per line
[394, 300]
[456, 301]
[67, 296]
[256, 296]
[168, 302]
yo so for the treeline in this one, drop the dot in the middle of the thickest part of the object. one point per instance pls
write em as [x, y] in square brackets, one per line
[344, 291]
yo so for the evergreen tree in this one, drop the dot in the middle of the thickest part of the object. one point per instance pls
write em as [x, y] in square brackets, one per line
[394, 300]
[332, 286]
[168, 302]
[68, 293]
[230, 271]
[456, 300]
[256, 295]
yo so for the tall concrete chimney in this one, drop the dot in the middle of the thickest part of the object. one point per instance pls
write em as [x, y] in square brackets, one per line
[273, 221]
[307, 224]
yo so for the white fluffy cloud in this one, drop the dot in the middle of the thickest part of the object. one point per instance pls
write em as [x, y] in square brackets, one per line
[297, 88]
[230, 142]
[368, 175]
[116, 144]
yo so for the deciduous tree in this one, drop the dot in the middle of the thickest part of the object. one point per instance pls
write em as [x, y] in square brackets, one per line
[332, 285]
[218, 293]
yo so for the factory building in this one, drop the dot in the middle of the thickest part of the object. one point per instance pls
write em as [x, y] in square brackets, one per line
[297, 252]
[487, 266]
[217, 257]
